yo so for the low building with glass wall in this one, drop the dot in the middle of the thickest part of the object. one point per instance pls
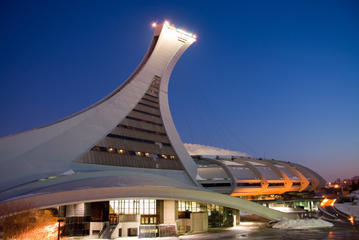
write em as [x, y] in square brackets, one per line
[144, 218]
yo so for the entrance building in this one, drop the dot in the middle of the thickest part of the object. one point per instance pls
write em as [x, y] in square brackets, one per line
[144, 218]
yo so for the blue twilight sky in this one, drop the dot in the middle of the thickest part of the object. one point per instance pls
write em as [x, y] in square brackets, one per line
[274, 79]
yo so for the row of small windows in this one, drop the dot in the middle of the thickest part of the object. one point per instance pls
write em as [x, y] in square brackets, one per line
[190, 206]
[150, 114]
[132, 206]
[141, 154]
[151, 95]
[276, 184]
[148, 206]
[269, 184]
[216, 185]
[146, 121]
[137, 139]
[186, 207]
[147, 105]
[248, 184]
[149, 100]
[142, 130]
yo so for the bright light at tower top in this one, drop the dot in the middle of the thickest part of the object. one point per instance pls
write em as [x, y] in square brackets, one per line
[179, 30]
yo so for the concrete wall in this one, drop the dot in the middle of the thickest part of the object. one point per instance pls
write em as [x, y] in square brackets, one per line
[125, 226]
[199, 222]
[96, 226]
[183, 225]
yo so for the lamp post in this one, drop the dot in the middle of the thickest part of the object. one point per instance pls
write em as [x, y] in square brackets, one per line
[58, 229]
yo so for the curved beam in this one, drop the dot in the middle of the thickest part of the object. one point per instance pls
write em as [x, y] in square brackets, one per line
[158, 192]
[226, 169]
[288, 183]
[286, 180]
[304, 183]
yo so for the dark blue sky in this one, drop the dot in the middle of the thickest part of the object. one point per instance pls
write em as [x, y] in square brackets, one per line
[275, 79]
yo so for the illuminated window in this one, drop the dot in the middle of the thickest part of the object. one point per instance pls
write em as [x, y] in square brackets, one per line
[120, 151]
[139, 153]
[132, 206]
[189, 206]
[96, 148]
[148, 219]
[164, 156]
[172, 157]
[110, 149]
[147, 154]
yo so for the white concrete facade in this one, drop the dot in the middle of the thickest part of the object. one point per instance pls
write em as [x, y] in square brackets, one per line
[51, 150]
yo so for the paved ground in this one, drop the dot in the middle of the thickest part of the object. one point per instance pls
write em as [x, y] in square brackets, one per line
[259, 231]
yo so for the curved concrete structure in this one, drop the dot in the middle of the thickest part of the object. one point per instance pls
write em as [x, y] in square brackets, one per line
[52, 149]
[157, 192]
[125, 184]
[126, 145]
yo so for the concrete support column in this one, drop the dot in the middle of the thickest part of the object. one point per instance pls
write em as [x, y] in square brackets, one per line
[199, 222]
[236, 218]
[169, 212]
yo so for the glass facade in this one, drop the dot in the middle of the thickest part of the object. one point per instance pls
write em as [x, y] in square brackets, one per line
[133, 206]
[189, 206]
